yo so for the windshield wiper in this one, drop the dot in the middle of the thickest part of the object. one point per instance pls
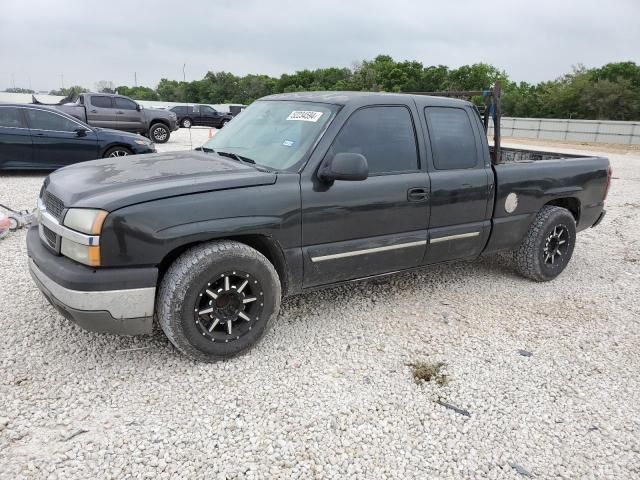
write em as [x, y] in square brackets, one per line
[205, 149]
[235, 156]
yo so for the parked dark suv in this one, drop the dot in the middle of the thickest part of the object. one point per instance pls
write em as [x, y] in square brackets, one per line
[200, 115]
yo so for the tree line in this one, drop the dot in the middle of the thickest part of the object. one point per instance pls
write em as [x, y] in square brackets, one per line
[610, 92]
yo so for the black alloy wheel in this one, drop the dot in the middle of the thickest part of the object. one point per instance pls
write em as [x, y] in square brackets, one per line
[229, 306]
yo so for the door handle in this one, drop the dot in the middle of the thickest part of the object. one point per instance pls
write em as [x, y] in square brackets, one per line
[120, 113]
[417, 194]
[94, 111]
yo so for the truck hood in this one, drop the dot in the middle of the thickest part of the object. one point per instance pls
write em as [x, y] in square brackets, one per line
[113, 183]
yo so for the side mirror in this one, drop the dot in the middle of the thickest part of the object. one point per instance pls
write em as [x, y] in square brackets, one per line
[344, 166]
[81, 132]
[138, 107]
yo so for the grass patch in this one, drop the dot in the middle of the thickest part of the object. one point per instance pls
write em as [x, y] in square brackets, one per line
[429, 372]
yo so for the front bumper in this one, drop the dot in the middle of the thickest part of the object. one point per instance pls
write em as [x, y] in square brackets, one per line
[119, 301]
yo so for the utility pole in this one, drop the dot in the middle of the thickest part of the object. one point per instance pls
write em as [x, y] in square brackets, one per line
[135, 78]
[62, 80]
[184, 75]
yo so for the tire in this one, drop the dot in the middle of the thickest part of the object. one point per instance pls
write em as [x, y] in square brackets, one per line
[548, 245]
[117, 152]
[186, 123]
[224, 122]
[159, 133]
[196, 323]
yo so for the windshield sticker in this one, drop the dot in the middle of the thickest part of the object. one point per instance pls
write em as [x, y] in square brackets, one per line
[304, 115]
[288, 143]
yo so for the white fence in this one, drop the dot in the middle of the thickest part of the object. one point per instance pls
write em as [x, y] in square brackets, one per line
[598, 131]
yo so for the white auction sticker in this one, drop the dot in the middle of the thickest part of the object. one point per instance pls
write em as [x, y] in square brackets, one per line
[304, 115]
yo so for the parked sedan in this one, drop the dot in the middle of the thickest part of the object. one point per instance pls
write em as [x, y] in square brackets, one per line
[42, 138]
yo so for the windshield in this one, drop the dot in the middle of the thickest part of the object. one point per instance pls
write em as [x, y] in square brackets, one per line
[273, 134]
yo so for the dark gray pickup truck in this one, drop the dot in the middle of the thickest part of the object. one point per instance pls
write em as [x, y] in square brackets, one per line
[119, 113]
[301, 191]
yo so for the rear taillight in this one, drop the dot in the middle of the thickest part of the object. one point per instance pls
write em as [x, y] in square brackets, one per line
[606, 190]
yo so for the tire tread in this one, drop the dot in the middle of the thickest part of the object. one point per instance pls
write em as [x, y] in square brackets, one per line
[174, 287]
[526, 256]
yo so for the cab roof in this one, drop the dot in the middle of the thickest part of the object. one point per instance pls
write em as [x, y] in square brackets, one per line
[344, 98]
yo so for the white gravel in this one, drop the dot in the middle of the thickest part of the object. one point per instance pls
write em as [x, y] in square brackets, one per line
[328, 393]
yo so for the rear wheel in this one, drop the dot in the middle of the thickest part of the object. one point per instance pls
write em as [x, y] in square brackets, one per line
[117, 152]
[548, 246]
[218, 299]
[187, 123]
[159, 133]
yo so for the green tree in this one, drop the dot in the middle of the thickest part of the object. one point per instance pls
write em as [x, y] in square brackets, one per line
[76, 89]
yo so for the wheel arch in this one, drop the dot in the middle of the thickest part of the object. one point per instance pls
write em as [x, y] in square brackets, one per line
[266, 245]
[570, 203]
[165, 122]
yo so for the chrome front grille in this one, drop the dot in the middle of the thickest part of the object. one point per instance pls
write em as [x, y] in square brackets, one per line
[53, 205]
[49, 238]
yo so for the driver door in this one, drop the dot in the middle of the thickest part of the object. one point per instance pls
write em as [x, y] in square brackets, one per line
[128, 117]
[55, 140]
[354, 229]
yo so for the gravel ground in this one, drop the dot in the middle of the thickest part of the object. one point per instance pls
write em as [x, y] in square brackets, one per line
[329, 393]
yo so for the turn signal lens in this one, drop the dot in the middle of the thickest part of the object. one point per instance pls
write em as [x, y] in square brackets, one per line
[85, 254]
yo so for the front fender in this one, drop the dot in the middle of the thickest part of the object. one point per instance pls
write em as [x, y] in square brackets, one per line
[144, 234]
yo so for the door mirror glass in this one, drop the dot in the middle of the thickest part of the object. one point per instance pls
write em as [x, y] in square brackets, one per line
[344, 166]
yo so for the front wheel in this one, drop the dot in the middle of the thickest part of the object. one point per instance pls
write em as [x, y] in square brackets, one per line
[224, 122]
[186, 123]
[548, 246]
[117, 152]
[218, 300]
[159, 133]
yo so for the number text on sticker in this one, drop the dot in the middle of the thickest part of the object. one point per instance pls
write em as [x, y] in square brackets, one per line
[304, 115]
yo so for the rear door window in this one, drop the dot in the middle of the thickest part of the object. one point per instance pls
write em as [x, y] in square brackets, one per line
[11, 117]
[453, 142]
[101, 102]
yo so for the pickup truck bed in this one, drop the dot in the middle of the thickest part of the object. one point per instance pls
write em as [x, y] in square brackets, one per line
[301, 191]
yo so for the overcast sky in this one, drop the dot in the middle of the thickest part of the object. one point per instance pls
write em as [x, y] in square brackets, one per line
[533, 40]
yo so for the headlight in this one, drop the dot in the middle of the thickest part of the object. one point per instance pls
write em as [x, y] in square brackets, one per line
[143, 142]
[85, 220]
[87, 254]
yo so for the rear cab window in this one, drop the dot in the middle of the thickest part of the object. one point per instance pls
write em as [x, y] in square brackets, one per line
[453, 142]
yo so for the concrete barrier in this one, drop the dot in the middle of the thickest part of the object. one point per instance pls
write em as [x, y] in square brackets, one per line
[596, 131]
